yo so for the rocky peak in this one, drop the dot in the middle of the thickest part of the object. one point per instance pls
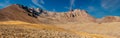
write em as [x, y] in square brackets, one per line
[42, 15]
[75, 13]
[70, 16]
[82, 15]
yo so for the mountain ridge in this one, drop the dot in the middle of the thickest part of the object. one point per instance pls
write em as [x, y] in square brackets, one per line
[38, 15]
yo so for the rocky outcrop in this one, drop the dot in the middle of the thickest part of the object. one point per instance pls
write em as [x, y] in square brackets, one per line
[72, 16]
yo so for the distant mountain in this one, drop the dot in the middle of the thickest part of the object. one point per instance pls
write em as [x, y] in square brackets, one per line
[110, 19]
[32, 15]
[71, 16]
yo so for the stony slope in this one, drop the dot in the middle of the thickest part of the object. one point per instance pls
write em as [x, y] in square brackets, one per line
[17, 29]
[111, 28]
[15, 12]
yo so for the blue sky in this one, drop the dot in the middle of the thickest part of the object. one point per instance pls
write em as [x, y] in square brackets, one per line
[96, 8]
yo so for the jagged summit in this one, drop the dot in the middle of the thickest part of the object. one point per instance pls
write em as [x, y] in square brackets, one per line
[38, 15]
[70, 16]
[24, 13]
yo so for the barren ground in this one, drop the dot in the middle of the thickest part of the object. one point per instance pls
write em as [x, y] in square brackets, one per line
[17, 29]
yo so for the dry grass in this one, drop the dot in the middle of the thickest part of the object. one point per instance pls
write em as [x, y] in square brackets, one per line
[104, 29]
[12, 29]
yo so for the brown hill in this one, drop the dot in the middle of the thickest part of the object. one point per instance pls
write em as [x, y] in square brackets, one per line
[15, 12]
[108, 19]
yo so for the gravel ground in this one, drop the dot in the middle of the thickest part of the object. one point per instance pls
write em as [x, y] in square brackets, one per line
[12, 31]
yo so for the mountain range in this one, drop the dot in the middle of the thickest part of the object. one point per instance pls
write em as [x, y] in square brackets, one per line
[37, 15]
[76, 21]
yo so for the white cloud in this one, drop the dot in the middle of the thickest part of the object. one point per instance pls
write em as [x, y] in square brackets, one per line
[4, 4]
[67, 8]
[96, 12]
[54, 10]
[71, 4]
[42, 1]
[93, 9]
[110, 4]
[36, 2]
[32, 6]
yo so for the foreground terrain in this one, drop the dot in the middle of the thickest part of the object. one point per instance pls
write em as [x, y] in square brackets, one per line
[17, 29]
[111, 29]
